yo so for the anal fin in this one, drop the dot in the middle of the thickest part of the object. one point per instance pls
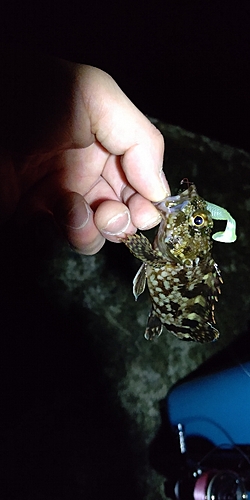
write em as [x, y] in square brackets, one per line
[154, 327]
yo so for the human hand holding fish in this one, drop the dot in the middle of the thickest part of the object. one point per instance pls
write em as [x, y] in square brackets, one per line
[73, 145]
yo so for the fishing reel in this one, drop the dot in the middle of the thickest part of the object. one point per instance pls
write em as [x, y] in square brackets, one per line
[221, 474]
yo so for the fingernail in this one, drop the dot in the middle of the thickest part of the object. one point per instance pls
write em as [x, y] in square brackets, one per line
[118, 224]
[151, 223]
[165, 184]
[77, 217]
[91, 249]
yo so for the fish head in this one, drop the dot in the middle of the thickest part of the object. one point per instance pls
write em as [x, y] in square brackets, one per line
[184, 234]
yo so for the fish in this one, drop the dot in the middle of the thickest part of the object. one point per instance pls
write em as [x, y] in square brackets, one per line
[178, 268]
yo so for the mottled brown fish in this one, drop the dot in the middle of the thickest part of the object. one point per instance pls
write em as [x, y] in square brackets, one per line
[182, 276]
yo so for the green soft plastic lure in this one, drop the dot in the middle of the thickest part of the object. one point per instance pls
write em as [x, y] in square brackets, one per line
[219, 213]
[181, 274]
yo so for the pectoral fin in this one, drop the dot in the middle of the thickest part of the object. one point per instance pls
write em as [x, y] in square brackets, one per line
[139, 281]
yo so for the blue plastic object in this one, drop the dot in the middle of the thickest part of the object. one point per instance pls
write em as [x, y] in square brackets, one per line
[215, 406]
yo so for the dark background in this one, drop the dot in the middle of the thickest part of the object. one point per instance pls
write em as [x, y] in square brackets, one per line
[184, 62]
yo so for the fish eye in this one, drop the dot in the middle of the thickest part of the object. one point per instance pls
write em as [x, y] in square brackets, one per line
[198, 220]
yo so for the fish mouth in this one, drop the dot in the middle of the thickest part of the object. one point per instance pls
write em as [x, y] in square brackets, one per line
[171, 204]
[180, 200]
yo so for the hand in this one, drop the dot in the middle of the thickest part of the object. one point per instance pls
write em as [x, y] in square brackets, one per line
[74, 145]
